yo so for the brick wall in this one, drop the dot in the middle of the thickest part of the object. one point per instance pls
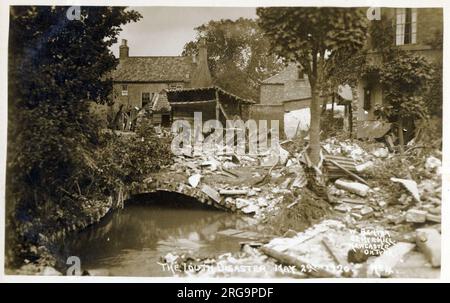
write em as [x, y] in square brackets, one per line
[297, 89]
[271, 93]
[286, 85]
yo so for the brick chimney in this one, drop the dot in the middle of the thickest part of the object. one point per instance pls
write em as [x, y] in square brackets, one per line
[123, 50]
[202, 52]
[202, 75]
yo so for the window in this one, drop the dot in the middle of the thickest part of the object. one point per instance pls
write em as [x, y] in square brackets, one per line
[406, 26]
[146, 98]
[124, 90]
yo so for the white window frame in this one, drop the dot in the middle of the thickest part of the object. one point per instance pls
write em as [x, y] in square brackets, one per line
[401, 26]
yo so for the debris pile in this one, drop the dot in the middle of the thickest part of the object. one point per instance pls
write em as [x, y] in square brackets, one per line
[239, 182]
[386, 208]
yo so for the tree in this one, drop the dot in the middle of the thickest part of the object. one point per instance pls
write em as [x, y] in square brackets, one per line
[311, 36]
[237, 55]
[56, 66]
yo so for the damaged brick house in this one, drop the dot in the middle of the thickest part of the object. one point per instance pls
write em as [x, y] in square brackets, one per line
[138, 81]
[290, 88]
[287, 91]
[415, 30]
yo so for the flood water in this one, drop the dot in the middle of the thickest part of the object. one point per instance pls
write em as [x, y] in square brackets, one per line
[131, 241]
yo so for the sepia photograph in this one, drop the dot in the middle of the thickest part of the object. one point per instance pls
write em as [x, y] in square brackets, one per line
[230, 142]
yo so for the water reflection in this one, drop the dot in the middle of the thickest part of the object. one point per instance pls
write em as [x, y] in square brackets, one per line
[131, 241]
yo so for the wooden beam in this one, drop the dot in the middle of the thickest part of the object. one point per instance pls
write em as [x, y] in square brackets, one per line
[354, 176]
[191, 102]
[217, 105]
[223, 112]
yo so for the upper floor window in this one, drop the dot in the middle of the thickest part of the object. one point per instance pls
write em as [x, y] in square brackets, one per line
[124, 90]
[406, 26]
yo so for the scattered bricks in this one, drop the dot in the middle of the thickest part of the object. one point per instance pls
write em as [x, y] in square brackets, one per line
[250, 209]
[211, 192]
[241, 203]
[434, 200]
[427, 207]
[416, 216]
[435, 210]
[428, 241]
[251, 193]
[194, 180]
[353, 187]
[433, 218]
[396, 219]
[229, 201]
[262, 202]
[366, 210]
[382, 204]
[343, 208]
[356, 216]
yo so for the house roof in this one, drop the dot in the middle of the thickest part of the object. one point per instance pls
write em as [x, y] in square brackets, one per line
[161, 103]
[154, 69]
[290, 72]
[193, 95]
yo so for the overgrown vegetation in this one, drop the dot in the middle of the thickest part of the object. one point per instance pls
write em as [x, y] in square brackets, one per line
[61, 169]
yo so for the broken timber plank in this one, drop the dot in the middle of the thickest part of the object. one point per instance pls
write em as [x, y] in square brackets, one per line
[354, 176]
[301, 265]
[351, 186]
[352, 201]
[232, 192]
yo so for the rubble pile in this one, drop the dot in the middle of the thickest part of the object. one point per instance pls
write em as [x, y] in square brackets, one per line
[382, 218]
[414, 219]
[251, 184]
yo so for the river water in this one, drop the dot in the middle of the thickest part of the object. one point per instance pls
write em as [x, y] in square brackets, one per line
[131, 241]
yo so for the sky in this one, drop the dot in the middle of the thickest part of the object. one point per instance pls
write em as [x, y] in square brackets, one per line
[163, 31]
